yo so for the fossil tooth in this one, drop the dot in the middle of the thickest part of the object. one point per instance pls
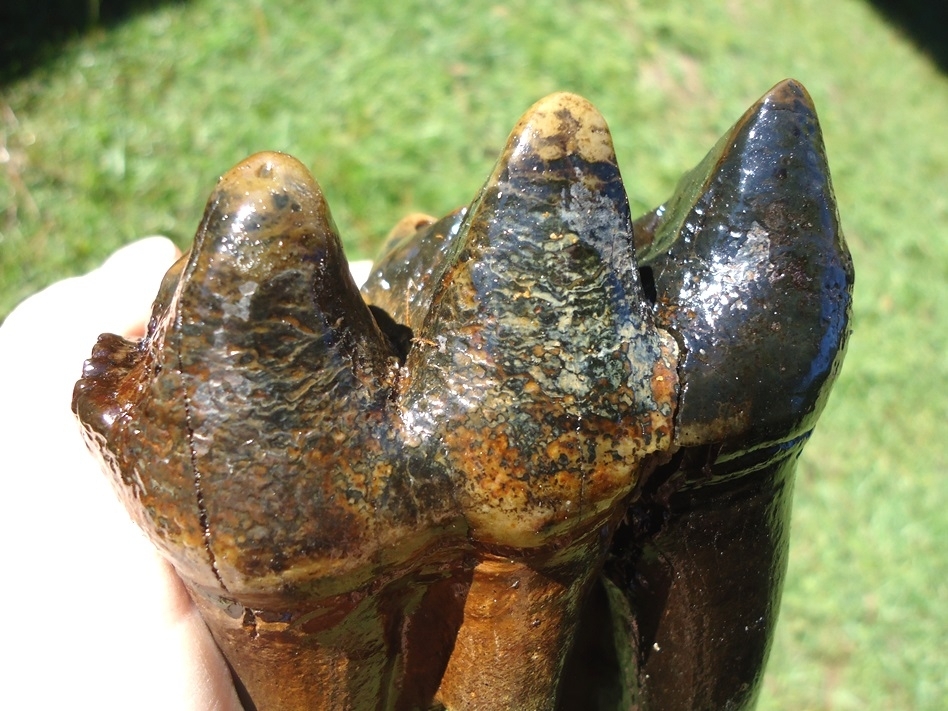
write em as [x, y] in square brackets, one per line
[545, 384]
[544, 459]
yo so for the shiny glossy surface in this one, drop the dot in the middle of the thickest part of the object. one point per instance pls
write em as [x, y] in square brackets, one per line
[754, 277]
[536, 463]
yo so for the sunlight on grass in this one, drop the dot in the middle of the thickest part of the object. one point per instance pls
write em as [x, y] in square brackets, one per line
[404, 106]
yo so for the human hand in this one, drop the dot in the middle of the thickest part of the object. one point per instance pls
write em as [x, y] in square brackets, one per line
[93, 615]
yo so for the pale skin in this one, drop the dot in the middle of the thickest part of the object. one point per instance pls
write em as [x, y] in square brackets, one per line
[93, 616]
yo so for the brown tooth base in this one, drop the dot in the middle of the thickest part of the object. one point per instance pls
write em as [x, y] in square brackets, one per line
[519, 623]
[385, 648]
[517, 630]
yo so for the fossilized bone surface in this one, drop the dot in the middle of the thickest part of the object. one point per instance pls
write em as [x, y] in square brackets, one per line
[544, 459]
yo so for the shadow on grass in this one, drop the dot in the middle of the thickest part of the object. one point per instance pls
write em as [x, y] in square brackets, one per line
[924, 21]
[31, 31]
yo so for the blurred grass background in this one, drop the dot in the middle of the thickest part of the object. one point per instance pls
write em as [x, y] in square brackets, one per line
[123, 130]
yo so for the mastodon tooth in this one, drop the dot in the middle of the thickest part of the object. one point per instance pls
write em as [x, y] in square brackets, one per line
[541, 429]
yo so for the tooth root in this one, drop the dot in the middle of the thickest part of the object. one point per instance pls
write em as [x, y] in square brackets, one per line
[753, 273]
[542, 382]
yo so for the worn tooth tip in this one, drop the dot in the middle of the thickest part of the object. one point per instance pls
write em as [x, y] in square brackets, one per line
[270, 168]
[266, 212]
[559, 126]
[268, 188]
[788, 95]
[787, 92]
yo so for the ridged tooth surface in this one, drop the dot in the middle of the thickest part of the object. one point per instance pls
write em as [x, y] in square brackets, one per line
[261, 364]
[279, 354]
[538, 368]
[538, 377]
[259, 413]
[752, 271]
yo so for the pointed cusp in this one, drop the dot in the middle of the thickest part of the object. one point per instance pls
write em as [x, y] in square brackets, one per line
[539, 346]
[752, 272]
[260, 364]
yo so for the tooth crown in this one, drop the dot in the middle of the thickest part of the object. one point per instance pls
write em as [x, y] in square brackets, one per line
[753, 275]
[419, 492]
[540, 387]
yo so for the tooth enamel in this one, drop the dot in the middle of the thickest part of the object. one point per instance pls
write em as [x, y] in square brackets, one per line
[548, 389]
[749, 249]
[265, 393]
[261, 415]
[752, 274]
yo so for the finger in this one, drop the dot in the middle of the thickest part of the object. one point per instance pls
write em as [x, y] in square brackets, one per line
[97, 614]
[126, 283]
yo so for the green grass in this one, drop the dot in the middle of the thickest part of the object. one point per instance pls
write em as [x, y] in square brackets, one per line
[404, 106]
